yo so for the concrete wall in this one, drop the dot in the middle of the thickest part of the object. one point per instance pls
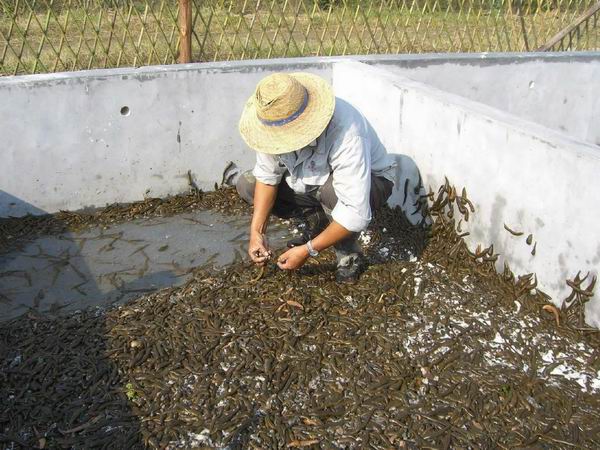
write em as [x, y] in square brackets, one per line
[521, 174]
[558, 94]
[86, 139]
[67, 130]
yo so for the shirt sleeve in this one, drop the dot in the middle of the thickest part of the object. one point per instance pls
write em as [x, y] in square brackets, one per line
[351, 164]
[267, 169]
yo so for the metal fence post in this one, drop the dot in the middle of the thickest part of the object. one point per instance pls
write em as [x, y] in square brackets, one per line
[185, 31]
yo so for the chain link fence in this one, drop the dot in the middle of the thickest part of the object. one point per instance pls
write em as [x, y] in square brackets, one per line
[39, 36]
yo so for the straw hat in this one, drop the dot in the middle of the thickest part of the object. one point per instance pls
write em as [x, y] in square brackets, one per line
[287, 112]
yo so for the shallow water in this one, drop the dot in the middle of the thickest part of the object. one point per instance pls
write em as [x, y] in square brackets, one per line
[107, 265]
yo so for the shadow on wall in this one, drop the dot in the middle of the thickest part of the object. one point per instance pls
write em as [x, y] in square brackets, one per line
[58, 386]
[409, 193]
[11, 206]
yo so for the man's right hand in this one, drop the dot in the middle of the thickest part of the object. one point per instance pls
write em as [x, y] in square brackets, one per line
[259, 249]
[264, 199]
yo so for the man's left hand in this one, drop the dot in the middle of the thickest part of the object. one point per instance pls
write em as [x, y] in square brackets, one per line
[294, 258]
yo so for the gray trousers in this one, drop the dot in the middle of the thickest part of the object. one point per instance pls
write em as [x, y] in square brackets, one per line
[290, 204]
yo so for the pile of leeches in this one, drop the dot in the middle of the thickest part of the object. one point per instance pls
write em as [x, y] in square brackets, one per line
[437, 351]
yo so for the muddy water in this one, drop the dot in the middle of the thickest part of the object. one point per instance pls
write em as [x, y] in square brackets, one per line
[107, 265]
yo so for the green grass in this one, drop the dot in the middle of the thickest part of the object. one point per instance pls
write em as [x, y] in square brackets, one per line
[96, 37]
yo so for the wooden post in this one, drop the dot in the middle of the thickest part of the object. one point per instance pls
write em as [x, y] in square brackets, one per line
[573, 26]
[185, 31]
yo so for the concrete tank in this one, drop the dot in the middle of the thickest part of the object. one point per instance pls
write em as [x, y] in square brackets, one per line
[519, 131]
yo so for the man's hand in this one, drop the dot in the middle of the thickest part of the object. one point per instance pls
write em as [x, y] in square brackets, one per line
[264, 199]
[259, 249]
[293, 258]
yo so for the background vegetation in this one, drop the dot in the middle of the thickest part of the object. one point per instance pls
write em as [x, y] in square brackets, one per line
[62, 35]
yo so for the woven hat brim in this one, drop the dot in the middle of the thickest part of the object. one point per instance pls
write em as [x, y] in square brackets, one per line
[297, 133]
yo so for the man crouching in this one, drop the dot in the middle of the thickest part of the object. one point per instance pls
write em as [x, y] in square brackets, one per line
[317, 160]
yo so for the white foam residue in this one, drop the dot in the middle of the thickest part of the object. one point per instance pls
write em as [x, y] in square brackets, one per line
[569, 373]
[498, 339]
[202, 438]
[189, 381]
[365, 237]
[353, 303]
[595, 384]
[417, 284]
[459, 322]
[492, 359]
[548, 356]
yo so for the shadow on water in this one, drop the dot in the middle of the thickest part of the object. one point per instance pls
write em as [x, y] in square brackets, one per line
[58, 385]
[60, 388]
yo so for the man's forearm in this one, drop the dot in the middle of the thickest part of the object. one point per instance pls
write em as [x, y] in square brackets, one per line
[264, 199]
[331, 235]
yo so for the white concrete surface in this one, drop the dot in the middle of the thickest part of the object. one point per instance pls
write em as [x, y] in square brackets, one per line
[560, 95]
[75, 140]
[517, 173]
[78, 150]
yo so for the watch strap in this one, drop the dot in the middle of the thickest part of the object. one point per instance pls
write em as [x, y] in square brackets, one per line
[311, 250]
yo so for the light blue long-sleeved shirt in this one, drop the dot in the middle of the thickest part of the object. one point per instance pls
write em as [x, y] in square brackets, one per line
[350, 150]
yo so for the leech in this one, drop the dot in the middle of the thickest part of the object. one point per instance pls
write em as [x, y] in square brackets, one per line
[514, 233]
[259, 276]
[553, 310]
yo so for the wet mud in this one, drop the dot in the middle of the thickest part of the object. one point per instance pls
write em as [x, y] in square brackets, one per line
[431, 348]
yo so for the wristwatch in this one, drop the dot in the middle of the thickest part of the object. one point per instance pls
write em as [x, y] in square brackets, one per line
[311, 250]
